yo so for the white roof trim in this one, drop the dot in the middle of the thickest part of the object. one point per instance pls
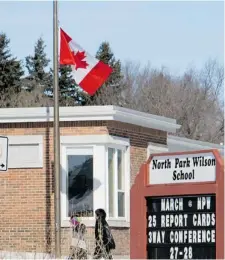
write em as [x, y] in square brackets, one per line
[88, 113]
[192, 143]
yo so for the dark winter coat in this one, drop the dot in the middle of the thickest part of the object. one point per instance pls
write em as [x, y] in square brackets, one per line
[102, 231]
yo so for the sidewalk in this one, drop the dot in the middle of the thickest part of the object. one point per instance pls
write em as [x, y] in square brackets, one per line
[6, 255]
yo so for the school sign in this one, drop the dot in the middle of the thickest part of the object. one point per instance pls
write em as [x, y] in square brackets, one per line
[180, 198]
[182, 168]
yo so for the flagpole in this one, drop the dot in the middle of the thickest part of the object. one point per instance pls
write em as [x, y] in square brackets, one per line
[56, 133]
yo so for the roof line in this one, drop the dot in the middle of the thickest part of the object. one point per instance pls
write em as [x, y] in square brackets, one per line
[88, 113]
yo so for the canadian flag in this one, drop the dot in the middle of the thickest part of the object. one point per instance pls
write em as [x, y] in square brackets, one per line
[88, 72]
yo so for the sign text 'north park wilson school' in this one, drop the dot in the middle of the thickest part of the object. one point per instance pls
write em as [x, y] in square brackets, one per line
[182, 168]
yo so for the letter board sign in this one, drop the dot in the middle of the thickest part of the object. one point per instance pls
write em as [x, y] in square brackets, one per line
[181, 227]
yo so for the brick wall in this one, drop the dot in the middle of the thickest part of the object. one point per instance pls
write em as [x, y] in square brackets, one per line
[27, 195]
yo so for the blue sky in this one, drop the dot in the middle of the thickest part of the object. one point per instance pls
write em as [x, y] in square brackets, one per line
[173, 34]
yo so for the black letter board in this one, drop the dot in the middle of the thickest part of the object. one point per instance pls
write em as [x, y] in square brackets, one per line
[181, 227]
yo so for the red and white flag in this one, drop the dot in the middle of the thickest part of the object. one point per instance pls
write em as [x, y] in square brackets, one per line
[88, 72]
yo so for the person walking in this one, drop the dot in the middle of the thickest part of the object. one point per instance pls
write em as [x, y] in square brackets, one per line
[104, 241]
[78, 248]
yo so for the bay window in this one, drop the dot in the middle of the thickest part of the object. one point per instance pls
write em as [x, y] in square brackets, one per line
[95, 174]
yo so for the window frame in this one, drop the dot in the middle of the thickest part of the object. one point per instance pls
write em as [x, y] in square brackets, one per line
[99, 144]
[116, 190]
[64, 176]
[87, 150]
[26, 141]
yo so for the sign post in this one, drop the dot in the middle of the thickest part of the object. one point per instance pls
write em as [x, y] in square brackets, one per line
[3, 153]
[178, 200]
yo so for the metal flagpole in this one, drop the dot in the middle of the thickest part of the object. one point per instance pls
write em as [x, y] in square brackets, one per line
[56, 133]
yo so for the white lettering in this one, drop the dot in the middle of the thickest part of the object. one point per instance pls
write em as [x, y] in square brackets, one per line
[162, 220]
[203, 236]
[192, 236]
[163, 204]
[203, 203]
[177, 220]
[194, 233]
[172, 204]
[185, 219]
[204, 220]
[213, 219]
[156, 237]
[213, 236]
[194, 220]
[152, 221]
[171, 237]
[149, 237]
[167, 220]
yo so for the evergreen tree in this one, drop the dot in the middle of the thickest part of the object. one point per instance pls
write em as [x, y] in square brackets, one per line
[106, 55]
[37, 68]
[10, 71]
[70, 92]
[109, 93]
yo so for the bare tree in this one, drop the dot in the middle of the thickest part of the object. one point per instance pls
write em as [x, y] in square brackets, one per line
[194, 99]
[24, 98]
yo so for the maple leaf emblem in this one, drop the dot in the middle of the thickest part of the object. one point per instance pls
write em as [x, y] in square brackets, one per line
[79, 60]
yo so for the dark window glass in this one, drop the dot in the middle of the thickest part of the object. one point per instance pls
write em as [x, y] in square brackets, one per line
[80, 185]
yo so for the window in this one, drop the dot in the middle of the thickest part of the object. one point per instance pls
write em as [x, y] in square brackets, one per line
[111, 178]
[120, 181]
[25, 151]
[95, 174]
[116, 184]
[80, 182]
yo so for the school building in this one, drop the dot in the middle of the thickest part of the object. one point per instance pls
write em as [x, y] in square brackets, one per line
[102, 149]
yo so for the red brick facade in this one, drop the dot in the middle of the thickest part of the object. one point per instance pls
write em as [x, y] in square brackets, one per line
[27, 195]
